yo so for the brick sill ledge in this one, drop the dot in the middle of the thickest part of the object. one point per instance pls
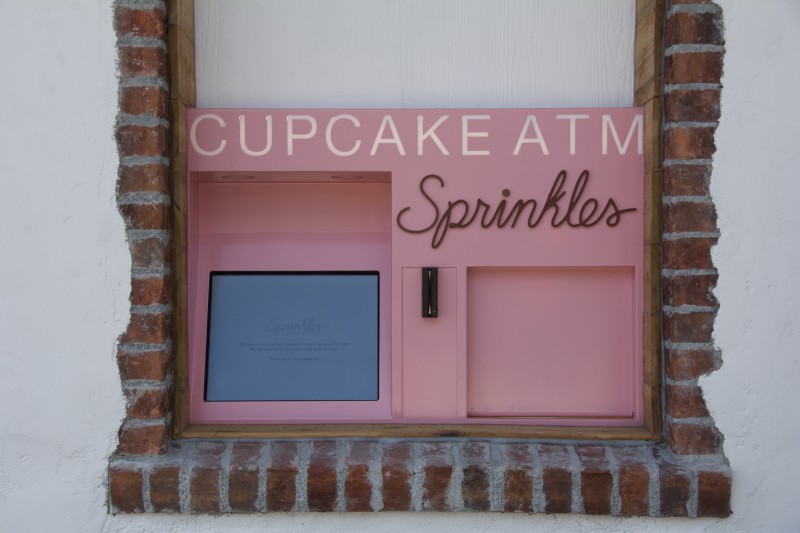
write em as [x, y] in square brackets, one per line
[249, 476]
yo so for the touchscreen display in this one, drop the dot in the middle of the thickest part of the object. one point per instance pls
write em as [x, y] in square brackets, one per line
[292, 336]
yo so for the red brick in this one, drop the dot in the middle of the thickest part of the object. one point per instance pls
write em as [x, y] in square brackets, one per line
[142, 61]
[693, 67]
[557, 487]
[145, 141]
[688, 253]
[673, 492]
[143, 178]
[205, 490]
[144, 440]
[282, 476]
[125, 490]
[150, 365]
[357, 486]
[557, 478]
[685, 402]
[693, 439]
[149, 253]
[690, 364]
[148, 328]
[692, 106]
[322, 477]
[517, 491]
[686, 180]
[150, 290]
[475, 488]
[518, 481]
[357, 489]
[596, 479]
[634, 488]
[713, 494]
[147, 99]
[147, 403]
[693, 28]
[246, 455]
[165, 489]
[396, 476]
[146, 216]
[689, 327]
[690, 290]
[690, 216]
[140, 22]
[436, 487]
[243, 490]
[689, 143]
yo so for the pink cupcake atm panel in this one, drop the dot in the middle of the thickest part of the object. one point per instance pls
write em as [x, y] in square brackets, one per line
[478, 266]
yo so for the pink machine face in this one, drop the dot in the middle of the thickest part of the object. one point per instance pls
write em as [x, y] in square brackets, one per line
[521, 229]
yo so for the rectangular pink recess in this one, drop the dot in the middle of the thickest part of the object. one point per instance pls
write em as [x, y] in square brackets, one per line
[551, 342]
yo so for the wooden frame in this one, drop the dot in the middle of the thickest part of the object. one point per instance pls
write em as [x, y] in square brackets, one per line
[647, 91]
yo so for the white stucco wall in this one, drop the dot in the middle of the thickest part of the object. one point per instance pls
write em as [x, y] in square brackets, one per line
[64, 281]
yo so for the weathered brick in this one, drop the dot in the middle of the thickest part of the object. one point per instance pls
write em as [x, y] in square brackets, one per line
[146, 22]
[149, 252]
[684, 401]
[557, 487]
[322, 477]
[693, 28]
[143, 178]
[713, 494]
[281, 476]
[634, 482]
[673, 492]
[357, 489]
[686, 180]
[518, 479]
[596, 479]
[150, 328]
[146, 216]
[145, 61]
[165, 489]
[556, 478]
[689, 143]
[475, 488]
[693, 67]
[150, 365]
[243, 490]
[204, 488]
[396, 475]
[688, 253]
[150, 290]
[693, 439]
[690, 364]
[144, 141]
[143, 440]
[692, 106]
[125, 489]
[517, 490]
[147, 403]
[689, 290]
[436, 486]
[357, 486]
[689, 327]
[143, 100]
[689, 216]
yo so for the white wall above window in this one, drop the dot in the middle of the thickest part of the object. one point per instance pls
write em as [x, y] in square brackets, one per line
[414, 53]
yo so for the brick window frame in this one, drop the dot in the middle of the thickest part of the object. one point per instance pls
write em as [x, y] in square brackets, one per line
[156, 468]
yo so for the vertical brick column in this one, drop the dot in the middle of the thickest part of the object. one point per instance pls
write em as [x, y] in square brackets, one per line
[693, 69]
[144, 203]
[693, 64]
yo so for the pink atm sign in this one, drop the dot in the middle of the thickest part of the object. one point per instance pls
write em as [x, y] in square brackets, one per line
[479, 266]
